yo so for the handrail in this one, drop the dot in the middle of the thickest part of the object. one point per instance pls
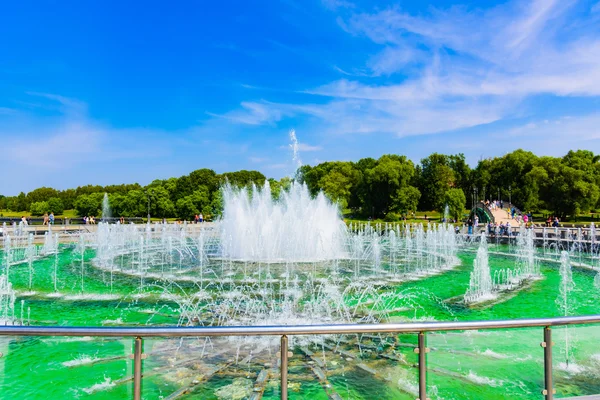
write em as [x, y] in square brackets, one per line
[421, 328]
[19, 330]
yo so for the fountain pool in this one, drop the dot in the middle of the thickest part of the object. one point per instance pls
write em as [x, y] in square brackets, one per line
[192, 275]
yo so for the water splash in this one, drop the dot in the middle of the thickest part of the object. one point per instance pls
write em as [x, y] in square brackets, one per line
[295, 227]
[295, 149]
[566, 285]
[106, 211]
[480, 285]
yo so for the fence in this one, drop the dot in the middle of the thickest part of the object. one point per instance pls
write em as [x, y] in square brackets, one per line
[421, 329]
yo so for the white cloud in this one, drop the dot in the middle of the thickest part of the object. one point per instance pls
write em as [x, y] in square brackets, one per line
[450, 69]
[253, 113]
[257, 160]
[43, 148]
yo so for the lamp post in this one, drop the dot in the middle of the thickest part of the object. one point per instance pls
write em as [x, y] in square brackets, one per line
[483, 194]
[509, 195]
[498, 198]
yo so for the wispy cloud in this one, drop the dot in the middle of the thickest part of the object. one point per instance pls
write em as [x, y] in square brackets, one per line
[450, 69]
[253, 113]
[43, 147]
[257, 160]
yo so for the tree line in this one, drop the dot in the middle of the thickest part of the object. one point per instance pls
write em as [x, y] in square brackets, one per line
[388, 187]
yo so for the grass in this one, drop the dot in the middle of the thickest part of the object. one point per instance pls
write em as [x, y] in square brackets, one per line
[19, 214]
[432, 216]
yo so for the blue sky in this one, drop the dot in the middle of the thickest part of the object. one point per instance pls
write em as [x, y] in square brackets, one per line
[120, 92]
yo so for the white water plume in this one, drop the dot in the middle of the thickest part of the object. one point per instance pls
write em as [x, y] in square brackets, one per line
[480, 285]
[566, 285]
[106, 211]
[295, 227]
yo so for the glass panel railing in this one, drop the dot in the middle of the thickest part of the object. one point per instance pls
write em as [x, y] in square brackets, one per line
[65, 368]
[576, 360]
[490, 364]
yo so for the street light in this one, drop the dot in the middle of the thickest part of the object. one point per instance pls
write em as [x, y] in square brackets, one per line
[498, 198]
[509, 195]
[483, 194]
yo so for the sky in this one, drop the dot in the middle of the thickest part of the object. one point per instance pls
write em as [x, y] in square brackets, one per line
[121, 92]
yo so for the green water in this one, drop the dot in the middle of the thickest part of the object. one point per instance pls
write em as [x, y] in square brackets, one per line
[500, 364]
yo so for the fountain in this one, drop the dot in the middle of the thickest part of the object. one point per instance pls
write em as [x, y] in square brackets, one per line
[106, 211]
[7, 302]
[480, 284]
[286, 261]
[257, 228]
[566, 285]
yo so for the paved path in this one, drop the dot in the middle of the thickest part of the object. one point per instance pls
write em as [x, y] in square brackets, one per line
[503, 216]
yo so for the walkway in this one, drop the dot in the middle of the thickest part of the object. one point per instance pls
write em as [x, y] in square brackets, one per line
[502, 216]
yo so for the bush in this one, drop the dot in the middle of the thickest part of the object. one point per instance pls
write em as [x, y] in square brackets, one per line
[39, 208]
[392, 217]
[55, 205]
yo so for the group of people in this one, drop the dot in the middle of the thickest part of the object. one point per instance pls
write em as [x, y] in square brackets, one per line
[472, 224]
[494, 205]
[499, 229]
[49, 219]
[198, 218]
[552, 222]
[89, 220]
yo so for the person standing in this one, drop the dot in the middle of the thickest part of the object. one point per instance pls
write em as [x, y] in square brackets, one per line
[200, 218]
[51, 218]
[45, 218]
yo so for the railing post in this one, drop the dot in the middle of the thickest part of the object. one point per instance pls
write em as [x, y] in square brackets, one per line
[137, 369]
[284, 367]
[548, 391]
[422, 350]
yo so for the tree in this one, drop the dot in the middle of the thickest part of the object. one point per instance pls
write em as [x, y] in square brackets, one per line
[41, 194]
[55, 205]
[436, 178]
[406, 200]
[160, 202]
[381, 183]
[186, 209]
[89, 204]
[278, 186]
[199, 201]
[456, 201]
[339, 182]
[21, 203]
[39, 208]
[243, 178]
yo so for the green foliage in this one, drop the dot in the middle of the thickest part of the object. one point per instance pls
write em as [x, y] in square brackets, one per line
[89, 204]
[382, 182]
[39, 208]
[407, 199]
[55, 205]
[436, 178]
[391, 217]
[456, 201]
[392, 184]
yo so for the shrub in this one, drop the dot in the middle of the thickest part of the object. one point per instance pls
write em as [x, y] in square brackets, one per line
[39, 208]
[392, 217]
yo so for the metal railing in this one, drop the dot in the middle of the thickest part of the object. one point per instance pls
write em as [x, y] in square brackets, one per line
[420, 328]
